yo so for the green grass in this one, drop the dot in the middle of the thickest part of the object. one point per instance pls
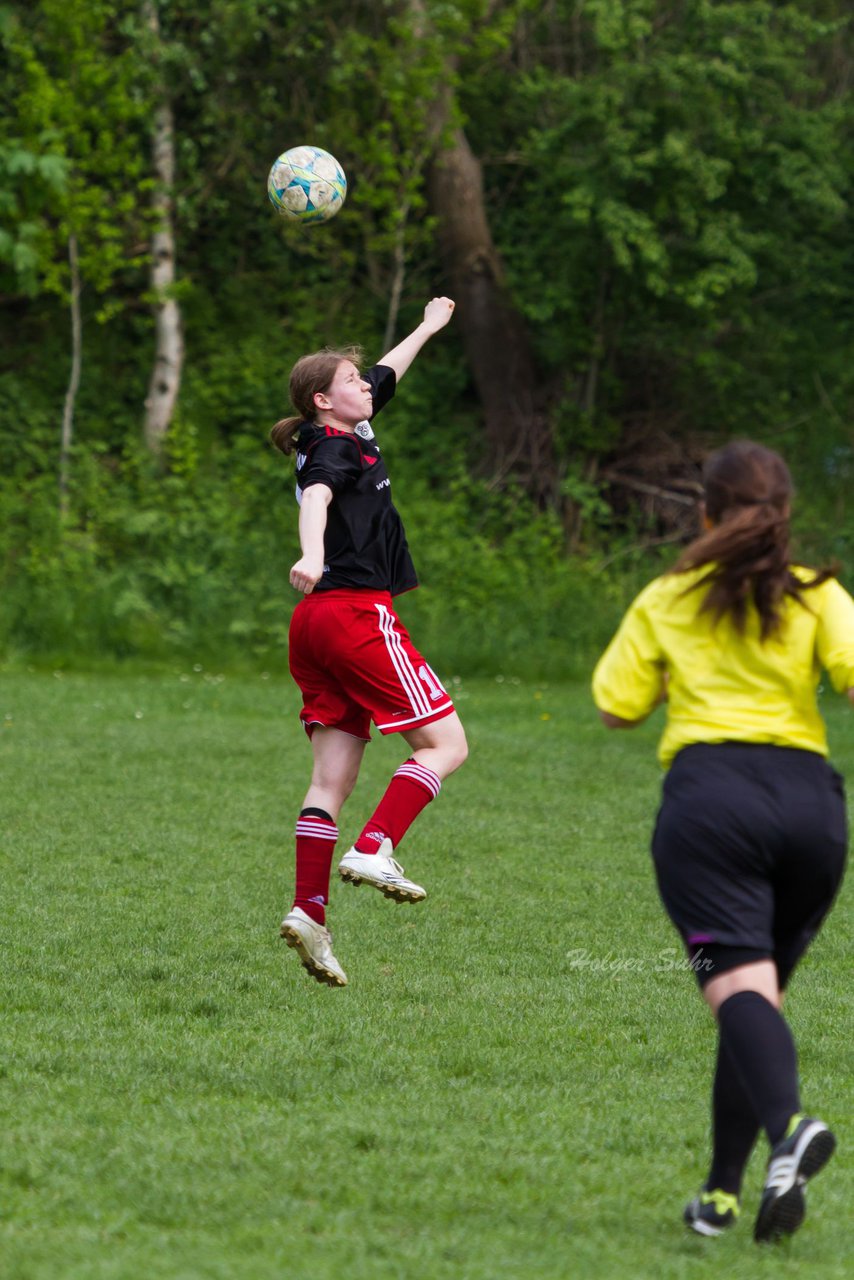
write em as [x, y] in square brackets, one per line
[179, 1100]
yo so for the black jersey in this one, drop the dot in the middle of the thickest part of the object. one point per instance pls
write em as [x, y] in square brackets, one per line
[364, 544]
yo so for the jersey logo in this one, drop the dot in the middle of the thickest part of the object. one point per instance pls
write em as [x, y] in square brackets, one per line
[364, 430]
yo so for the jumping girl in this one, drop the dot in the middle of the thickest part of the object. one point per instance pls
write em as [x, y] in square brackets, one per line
[750, 843]
[349, 652]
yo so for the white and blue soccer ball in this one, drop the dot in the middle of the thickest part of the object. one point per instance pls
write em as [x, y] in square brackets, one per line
[307, 184]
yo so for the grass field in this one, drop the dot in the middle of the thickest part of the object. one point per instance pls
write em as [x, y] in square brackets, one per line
[514, 1085]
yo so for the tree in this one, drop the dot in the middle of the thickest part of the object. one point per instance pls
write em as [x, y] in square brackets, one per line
[643, 209]
[668, 191]
[165, 381]
[74, 82]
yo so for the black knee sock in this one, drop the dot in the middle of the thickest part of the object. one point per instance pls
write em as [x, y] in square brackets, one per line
[759, 1044]
[734, 1127]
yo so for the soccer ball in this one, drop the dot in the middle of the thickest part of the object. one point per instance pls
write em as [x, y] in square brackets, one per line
[307, 184]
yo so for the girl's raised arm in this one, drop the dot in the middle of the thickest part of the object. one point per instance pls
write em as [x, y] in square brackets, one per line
[437, 313]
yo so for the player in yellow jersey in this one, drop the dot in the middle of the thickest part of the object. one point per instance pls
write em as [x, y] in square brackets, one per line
[750, 841]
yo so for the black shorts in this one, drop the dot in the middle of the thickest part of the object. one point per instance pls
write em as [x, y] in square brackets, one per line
[749, 851]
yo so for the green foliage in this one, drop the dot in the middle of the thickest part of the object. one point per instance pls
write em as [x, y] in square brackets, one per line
[150, 565]
[194, 564]
[686, 176]
[191, 563]
[79, 119]
[498, 590]
[669, 187]
[28, 180]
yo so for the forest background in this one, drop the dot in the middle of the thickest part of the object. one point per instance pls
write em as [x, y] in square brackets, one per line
[642, 207]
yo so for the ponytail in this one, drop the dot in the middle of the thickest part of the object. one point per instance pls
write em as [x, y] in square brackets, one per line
[748, 492]
[285, 434]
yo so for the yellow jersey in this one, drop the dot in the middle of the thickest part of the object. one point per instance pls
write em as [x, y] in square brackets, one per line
[721, 685]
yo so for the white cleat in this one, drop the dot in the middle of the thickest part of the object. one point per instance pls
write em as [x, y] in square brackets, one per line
[380, 870]
[313, 944]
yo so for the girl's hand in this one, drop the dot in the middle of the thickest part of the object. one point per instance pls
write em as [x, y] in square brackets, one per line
[437, 313]
[306, 574]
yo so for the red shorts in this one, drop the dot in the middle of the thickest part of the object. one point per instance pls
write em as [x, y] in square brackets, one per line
[354, 662]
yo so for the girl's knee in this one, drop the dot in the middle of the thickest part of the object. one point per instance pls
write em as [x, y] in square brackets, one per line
[457, 749]
[442, 744]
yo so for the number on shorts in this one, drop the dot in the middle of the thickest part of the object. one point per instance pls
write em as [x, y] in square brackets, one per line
[436, 690]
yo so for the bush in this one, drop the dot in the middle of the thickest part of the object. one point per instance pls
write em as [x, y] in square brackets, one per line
[191, 563]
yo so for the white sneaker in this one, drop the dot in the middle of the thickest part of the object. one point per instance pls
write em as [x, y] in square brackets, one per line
[799, 1156]
[380, 870]
[313, 944]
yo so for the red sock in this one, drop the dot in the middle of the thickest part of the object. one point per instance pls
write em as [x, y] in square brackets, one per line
[412, 787]
[316, 835]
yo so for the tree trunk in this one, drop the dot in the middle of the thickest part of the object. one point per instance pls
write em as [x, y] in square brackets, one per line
[73, 381]
[165, 380]
[517, 440]
[517, 436]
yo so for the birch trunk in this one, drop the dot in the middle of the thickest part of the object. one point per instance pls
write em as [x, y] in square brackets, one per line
[165, 380]
[67, 435]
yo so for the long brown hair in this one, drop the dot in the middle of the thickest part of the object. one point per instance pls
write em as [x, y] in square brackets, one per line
[310, 375]
[748, 495]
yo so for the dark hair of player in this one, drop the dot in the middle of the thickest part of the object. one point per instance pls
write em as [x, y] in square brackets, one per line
[748, 494]
[310, 375]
